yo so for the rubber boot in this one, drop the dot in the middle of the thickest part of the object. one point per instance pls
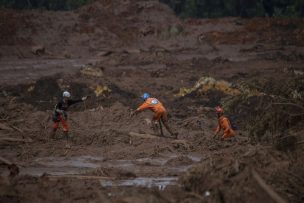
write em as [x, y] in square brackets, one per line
[66, 135]
[155, 128]
[52, 134]
[173, 134]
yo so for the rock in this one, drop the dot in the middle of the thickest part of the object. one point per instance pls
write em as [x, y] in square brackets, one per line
[38, 50]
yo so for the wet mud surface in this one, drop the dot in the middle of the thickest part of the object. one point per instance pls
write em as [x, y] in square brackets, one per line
[191, 66]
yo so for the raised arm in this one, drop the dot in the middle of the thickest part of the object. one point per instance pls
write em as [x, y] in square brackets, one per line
[75, 101]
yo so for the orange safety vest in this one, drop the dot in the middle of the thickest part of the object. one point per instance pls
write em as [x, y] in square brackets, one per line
[152, 104]
[224, 123]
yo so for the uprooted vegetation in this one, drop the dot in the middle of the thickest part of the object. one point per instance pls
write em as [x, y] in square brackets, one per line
[266, 109]
[277, 111]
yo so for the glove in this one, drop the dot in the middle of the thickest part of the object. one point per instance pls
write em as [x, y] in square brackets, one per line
[84, 98]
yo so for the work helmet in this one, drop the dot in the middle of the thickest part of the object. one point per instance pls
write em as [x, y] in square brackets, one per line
[66, 94]
[145, 96]
[218, 109]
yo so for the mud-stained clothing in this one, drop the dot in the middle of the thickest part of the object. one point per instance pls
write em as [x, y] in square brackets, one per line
[155, 106]
[65, 105]
[62, 120]
[224, 123]
[60, 115]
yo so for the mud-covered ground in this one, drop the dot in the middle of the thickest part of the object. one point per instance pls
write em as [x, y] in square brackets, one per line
[114, 52]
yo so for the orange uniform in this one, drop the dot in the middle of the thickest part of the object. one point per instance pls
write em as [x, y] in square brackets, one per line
[155, 106]
[224, 123]
[65, 125]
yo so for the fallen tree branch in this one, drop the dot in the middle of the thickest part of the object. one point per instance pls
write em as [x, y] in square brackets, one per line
[296, 176]
[267, 188]
[301, 142]
[9, 139]
[80, 177]
[5, 161]
[15, 128]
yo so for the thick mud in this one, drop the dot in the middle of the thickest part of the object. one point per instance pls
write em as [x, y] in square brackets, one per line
[113, 52]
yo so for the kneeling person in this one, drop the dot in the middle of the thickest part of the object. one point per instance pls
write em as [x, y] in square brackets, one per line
[60, 115]
[160, 113]
[223, 124]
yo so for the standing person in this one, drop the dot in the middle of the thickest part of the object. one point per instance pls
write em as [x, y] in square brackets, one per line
[223, 124]
[160, 114]
[60, 115]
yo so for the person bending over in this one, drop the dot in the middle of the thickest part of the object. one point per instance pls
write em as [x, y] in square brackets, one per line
[160, 114]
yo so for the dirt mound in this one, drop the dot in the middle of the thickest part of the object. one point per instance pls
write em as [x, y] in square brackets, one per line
[246, 34]
[223, 177]
[44, 93]
[99, 26]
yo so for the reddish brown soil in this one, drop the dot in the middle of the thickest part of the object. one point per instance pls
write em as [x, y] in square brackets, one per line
[141, 46]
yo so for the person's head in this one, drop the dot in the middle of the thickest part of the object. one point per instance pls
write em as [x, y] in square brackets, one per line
[145, 96]
[219, 111]
[66, 95]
